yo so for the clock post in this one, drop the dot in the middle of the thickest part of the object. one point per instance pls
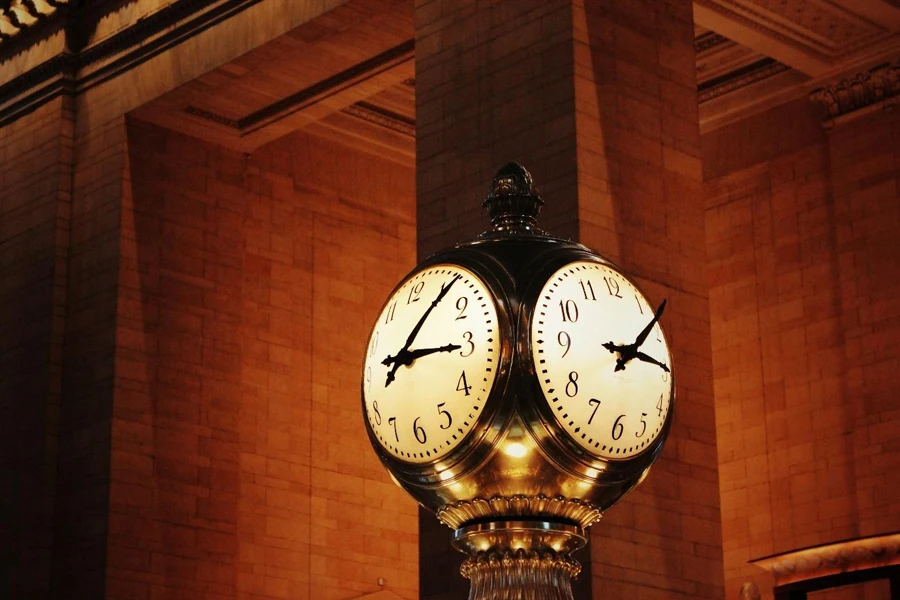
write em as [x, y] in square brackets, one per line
[518, 385]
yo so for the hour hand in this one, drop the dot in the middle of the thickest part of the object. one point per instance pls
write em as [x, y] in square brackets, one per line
[408, 357]
[613, 347]
[419, 353]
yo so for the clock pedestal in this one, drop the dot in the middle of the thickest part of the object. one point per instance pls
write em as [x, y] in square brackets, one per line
[525, 559]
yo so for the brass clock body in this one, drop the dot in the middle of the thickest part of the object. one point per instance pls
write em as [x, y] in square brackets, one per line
[514, 446]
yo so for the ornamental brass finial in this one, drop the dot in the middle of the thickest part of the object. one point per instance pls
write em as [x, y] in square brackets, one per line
[513, 202]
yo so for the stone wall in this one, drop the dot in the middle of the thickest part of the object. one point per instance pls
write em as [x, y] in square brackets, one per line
[801, 238]
[240, 466]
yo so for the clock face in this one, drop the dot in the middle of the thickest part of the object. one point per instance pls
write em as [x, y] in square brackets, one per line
[431, 362]
[602, 360]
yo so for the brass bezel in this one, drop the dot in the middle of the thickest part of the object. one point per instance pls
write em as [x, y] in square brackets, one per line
[550, 436]
[484, 434]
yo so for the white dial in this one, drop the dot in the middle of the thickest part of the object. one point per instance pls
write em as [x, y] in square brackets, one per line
[431, 362]
[602, 360]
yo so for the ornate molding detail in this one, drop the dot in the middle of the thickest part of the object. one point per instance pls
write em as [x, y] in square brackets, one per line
[19, 16]
[830, 559]
[382, 117]
[870, 88]
[818, 27]
[493, 565]
[568, 509]
[81, 69]
[709, 40]
[738, 79]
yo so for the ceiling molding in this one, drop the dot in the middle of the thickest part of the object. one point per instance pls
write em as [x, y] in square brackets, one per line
[74, 72]
[741, 78]
[310, 95]
[878, 87]
[812, 36]
[382, 117]
[829, 559]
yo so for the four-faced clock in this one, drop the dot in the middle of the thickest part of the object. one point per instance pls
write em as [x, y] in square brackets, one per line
[430, 363]
[602, 360]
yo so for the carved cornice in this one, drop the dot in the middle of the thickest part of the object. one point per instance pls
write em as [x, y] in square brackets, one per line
[708, 40]
[740, 78]
[568, 509]
[830, 559]
[77, 71]
[817, 27]
[382, 117]
[20, 16]
[868, 89]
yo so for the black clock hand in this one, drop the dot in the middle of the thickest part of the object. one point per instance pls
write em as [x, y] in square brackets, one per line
[395, 360]
[643, 334]
[629, 352]
[613, 348]
[649, 359]
[407, 358]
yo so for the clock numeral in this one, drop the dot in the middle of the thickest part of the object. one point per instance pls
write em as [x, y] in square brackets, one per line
[467, 337]
[462, 385]
[572, 385]
[419, 431]
[377, 414]
[613, 286]
[638, 300]
[415, 292]
[565, 341]
[389, 315]
[461, 305]
[369, 380]
[393, 421]
[658, 333]
[665, 376]
[374, 345]
[569, 311]
[618, 428]
[659, 407]
[644, 424]
[446, 414]
[587, 289]
[596, 404]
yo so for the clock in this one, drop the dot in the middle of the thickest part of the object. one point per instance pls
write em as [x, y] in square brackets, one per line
[431, 362]
[602, 360]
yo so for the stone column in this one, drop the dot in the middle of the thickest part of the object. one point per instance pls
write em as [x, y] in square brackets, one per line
[599, 102]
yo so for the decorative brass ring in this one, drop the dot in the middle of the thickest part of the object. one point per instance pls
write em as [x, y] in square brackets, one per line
[577, 511]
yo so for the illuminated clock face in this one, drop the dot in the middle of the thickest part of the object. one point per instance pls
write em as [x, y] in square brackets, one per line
[431, 362]
[602, 360]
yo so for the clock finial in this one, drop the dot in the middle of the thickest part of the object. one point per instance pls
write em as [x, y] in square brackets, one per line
[513, 201]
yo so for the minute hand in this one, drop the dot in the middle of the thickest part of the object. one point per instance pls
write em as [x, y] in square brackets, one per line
[643, 334]
[440, 296]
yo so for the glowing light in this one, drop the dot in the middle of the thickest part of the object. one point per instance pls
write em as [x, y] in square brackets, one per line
[515, 449]
[445, 475]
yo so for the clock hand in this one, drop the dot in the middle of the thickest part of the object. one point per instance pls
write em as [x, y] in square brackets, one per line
[643, 334]
[630, 351]
[412, 335]
[613, 348]
[649, 359]
[408, 357]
